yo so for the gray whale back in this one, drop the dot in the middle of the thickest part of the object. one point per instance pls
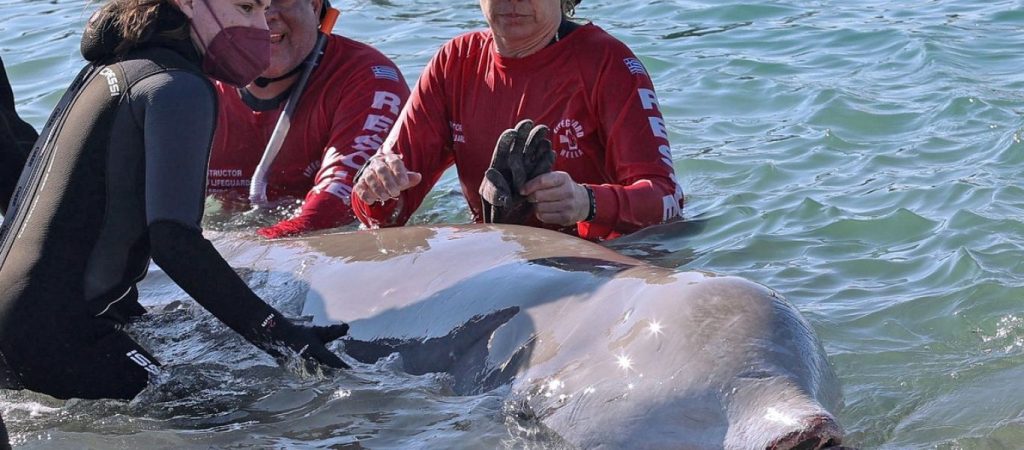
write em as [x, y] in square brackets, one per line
[601, 348]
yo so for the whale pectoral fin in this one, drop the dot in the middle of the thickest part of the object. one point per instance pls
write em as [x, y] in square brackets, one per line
[368, 352]
[438, 354]
[434, 354]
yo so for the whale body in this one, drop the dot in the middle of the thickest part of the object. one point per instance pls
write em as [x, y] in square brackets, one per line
[600, 348]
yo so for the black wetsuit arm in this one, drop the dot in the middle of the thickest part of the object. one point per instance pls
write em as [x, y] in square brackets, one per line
[177, 112]
[16, 140]
[4, 442]
[195, 265]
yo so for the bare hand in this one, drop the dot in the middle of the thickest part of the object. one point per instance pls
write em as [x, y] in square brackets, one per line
[384, 178]
[558, 199]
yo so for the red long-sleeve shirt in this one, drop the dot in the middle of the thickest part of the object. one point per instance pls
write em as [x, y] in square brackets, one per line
[589, 88]
[350, 103]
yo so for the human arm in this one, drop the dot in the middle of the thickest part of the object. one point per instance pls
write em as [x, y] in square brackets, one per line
[16, 139]
[5, 442]
[643, 189]
[362, 118]
[413, 157]
[175, 174]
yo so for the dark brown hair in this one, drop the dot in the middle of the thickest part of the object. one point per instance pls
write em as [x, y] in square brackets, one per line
[138, 21]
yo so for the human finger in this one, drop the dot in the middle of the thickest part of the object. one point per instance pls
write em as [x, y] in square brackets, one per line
[414, 179]
[548, 180]
[388, 180]
[562, 216]
[364, 190]
[375, 190]
[553, 207]
[398, 169]
[369, 187]
[555, 194]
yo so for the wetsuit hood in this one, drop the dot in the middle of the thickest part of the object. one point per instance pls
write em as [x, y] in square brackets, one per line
[102, 36]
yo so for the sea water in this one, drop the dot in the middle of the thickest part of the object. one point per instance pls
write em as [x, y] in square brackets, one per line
[862, 158]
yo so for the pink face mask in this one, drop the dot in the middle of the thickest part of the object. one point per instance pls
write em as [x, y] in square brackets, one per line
[237, 55]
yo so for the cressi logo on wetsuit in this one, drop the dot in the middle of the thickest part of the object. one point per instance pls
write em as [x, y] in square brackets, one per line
[268, 322]
[115, 86]
[144, 362]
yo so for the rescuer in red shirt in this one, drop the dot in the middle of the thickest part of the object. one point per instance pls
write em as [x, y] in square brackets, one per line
[613, 172]
[351, 100]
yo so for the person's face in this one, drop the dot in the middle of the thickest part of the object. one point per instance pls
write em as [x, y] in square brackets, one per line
[518, 20]
[205, 15]
[293, 30]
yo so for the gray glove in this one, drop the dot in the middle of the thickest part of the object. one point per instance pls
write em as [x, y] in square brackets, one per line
[520, 155]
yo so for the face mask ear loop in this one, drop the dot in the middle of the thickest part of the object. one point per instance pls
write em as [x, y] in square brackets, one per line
[202, 44]
[219, 24]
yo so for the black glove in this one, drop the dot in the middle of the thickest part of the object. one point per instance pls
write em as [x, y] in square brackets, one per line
[306, 341]
[520, 155]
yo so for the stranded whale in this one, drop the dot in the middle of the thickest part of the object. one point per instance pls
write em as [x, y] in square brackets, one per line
[600, 348]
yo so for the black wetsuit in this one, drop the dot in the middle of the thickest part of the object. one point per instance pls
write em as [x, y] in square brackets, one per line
[117, 177]
[16, 139]
[4, 441]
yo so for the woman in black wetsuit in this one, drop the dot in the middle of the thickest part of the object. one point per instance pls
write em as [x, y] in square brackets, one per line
[118, 177]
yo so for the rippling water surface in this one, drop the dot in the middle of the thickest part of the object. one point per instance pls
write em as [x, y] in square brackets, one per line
[864, 158]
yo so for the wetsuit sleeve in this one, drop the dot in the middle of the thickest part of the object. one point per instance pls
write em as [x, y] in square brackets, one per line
[423, 137]
[638, 155]
[16, 140]
[374, 96]
[5, 443]
[176, 110]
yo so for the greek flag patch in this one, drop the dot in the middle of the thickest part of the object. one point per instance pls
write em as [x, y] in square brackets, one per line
[635, 66]
[385, 73]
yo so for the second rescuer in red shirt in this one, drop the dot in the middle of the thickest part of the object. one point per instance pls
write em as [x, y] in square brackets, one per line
[349, 105]
[533, 63]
